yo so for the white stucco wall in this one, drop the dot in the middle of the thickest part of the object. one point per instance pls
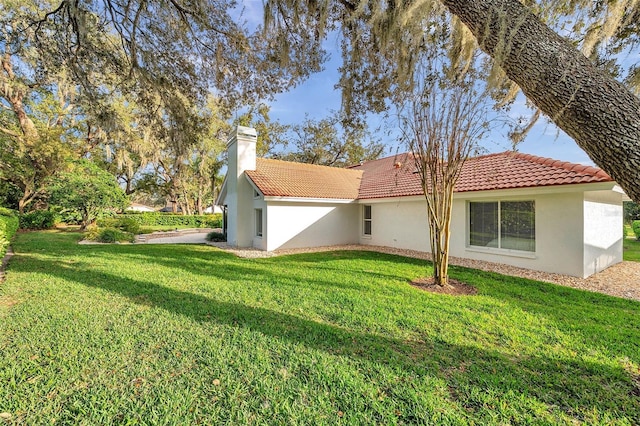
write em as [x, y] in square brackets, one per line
[299, 224]
[577, 233]
[239, 192]
[400, 223]
[559, 233]
[603, 218]
[259, 242]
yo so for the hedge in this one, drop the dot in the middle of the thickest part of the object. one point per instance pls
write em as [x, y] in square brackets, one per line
[8, 228]
[636, 228]
[38, 219]
[168, 219]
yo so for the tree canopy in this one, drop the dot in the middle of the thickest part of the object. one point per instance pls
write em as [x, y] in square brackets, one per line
[128, 84]
[87, 190]
[382, 42]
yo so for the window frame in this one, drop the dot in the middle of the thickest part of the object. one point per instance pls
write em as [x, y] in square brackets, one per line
[258, 223]
[367, 220]
[499, 225]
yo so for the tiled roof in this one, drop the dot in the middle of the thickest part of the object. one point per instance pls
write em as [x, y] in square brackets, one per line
[287, 179]
[395, 176]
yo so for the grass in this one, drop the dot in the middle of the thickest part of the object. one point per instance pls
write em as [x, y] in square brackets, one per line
[631, 246]
[159, 334]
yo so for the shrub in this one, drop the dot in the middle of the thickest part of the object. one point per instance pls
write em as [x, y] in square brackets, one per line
[121, 222]
[8, 228]
[636, 228]
[217, 237]
[169, 219]
[108, 235]
[38, 219]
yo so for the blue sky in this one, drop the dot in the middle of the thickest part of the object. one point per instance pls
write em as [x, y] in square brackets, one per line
[317, 97]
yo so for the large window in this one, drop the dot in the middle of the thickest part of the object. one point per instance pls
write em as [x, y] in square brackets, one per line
[366, 225]
[503, 224]
[258, 222]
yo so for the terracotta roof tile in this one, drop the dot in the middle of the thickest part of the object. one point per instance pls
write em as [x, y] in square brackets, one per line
[287, 179]
[489, 172]
[396, 176]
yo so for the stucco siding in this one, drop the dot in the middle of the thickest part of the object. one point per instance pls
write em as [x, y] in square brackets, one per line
[401, 224]
[558, 236]
[259, 242]
[295, 225]
[603, 218]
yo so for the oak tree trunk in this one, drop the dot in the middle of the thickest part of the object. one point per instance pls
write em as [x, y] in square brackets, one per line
[598, 112]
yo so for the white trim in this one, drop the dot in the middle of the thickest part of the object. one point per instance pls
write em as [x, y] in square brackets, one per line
[223, 193]
[502, 252]
[255, 187]
[310, 200]
[258, 213]
[364, 219]
[499, 250]
[503, 193]
[536, 190]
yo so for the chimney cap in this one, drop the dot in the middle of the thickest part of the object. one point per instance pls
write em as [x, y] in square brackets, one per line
[246, 131]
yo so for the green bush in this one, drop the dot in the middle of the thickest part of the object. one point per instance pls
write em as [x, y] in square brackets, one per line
[636, 228]
[108, 235]
[8, 227]
[38, 219]
[169, 219]
[217, 237]
[120, 222]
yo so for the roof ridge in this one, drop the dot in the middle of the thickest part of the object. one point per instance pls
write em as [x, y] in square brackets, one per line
[297, 163]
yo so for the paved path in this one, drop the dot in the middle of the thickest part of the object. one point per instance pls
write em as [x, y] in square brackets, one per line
[198, 238]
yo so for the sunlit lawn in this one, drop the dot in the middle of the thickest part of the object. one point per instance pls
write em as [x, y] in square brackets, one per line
[159, 334]
[631, 247]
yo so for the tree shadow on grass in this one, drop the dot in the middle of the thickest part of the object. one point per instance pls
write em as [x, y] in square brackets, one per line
[571, 385]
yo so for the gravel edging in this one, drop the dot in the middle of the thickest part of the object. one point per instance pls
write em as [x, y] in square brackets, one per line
[620, 280]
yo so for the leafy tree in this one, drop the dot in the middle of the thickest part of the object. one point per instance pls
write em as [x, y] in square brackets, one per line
[631, 211]
[186, 157]
[443, 120]
[322, 142]
[87, 190]
[156, 53]
[381, 42]
[27, 163]
[271, 134]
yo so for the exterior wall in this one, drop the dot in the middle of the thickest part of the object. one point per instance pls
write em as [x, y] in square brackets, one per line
[395, 223]
[603, 219]
[298, 224]
[259, 242]
[563, 244]
[239, 199]
[559, 234]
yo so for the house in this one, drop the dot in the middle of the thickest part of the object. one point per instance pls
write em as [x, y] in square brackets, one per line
[135, 207]
[510, 208]
[213, 209]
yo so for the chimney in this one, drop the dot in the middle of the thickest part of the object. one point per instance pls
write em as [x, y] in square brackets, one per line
[241, 154]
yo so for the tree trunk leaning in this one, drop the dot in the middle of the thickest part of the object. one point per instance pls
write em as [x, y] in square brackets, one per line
[598, 112]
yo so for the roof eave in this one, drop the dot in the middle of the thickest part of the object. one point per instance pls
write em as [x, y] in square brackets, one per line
[223, 193]
[277, 198]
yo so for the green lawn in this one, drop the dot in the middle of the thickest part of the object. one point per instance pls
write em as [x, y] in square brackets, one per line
[159, 334]
[631, 246]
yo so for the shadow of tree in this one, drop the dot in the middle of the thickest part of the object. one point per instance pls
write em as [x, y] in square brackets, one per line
[467, 370]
